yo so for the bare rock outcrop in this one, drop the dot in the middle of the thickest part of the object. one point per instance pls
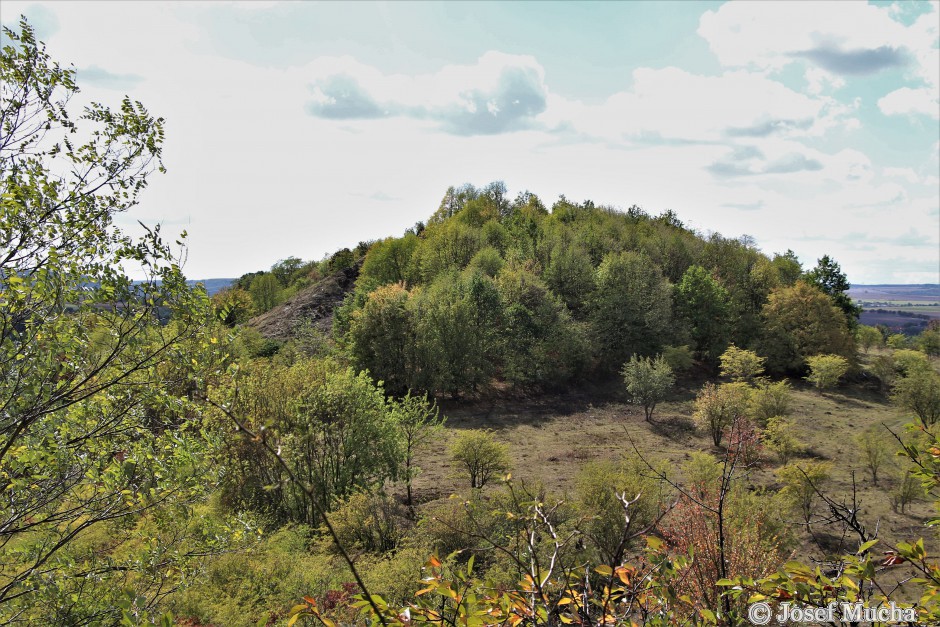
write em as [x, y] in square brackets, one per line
[315, 304]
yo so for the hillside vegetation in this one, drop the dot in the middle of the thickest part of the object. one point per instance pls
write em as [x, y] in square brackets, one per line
[511, 414]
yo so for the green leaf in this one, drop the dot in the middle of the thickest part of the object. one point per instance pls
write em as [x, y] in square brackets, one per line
[866, 546]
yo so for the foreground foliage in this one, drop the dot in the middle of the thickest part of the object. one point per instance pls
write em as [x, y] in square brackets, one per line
[102, 453]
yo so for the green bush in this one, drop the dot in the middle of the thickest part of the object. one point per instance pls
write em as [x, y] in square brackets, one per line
[826, 370]
[599, 487]
[919, 392]
[741, 365]
[369, 521]
[480, 456]
[770, 399]
[780, 437]
[648, 381]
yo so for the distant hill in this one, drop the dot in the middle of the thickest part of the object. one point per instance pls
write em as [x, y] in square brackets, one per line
[901, 308]
[929, 292]
[212, 285]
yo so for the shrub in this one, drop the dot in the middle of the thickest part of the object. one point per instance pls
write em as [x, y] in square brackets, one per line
[883, 367]
[801, 481]
[867, 337]
[679, 358]
[599, 485]
[769, 400]
[718, 406]
[919, 392]
[446, 526]
[744, 444]
[369, 521]
[908, 491]
[742, 541]
[333, 428]
[826, 370]
[480, 455]
[648, 381]
[779, 436]
[929, 342]
[740, 364]
[907, 361]
[873, 450]
[897, 341]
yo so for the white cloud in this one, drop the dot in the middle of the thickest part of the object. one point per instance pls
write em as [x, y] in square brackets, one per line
[839, 38]
[671, 103]
[905, 101]
[906, 174]
[767, 35]
[499, 93]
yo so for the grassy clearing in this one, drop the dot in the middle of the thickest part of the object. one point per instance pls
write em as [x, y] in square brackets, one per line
[552, 436]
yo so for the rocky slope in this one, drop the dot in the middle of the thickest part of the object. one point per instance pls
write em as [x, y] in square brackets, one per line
[315, 304]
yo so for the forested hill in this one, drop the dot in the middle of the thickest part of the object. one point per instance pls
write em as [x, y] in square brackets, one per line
[512, 290]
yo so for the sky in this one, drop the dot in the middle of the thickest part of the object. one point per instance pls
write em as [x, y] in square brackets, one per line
[298, 128]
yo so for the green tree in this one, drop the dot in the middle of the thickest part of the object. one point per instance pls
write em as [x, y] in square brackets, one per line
[648, 381]
[929, 342]
[447, 246]
[867, 337]
[382, 336]
[389, 261]
[826, 370]
[802, 483]
[789, 268]
[488, 261]
[99, 428]
[457, 320]
[285, 270]
[717, 407]
[541, 345]
[480, 455]
[919, 392]
[702, 305]
[741, 365]
[897, 341]
[632, 307]
[828, 276]
[265, 292]
[800, 321]
[745, 273]
[570, 275]
[418, 423]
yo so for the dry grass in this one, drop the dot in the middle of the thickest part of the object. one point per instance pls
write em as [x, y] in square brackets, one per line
[552, 436]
